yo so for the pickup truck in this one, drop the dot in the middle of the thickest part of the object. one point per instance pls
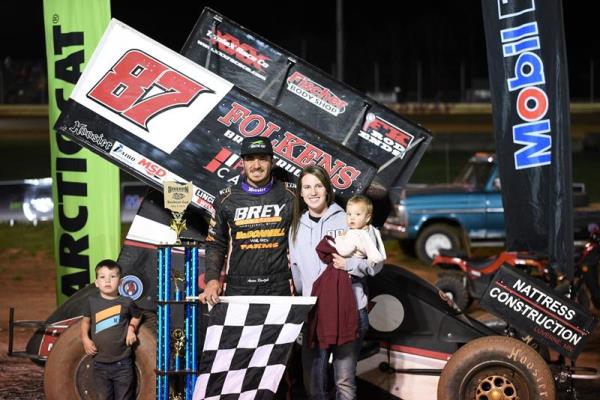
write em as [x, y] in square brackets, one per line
[465, 213]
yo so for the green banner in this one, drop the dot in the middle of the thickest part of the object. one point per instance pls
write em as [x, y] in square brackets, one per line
[86, 193]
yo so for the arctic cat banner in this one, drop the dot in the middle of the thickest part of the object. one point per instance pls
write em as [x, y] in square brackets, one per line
[551, 319]
[85, 192]
[530, 102]
[309, 95]
[161, 117]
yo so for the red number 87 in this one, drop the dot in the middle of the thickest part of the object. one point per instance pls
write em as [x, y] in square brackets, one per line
[139, 87]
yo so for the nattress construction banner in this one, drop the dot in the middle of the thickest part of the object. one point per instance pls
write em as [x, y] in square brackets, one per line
[309, 95]
[550, 318]
[530, 103]
[162, 118]
[86, 190]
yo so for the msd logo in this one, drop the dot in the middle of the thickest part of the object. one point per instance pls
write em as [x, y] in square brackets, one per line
[152, 169]
[139, 87]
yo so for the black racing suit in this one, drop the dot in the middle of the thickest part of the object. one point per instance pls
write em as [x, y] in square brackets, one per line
[253, 232]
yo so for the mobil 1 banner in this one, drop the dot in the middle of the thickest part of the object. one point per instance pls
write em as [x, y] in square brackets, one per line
[530, 101]
[308, 94]
[547, 316]
[163, 118]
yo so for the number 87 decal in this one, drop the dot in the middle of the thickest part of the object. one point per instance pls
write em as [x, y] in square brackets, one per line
[139, 87]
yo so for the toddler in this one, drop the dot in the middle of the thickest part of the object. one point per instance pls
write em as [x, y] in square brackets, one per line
[361, 239]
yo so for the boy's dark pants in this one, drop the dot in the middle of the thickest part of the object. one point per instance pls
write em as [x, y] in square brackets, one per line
[115, 381]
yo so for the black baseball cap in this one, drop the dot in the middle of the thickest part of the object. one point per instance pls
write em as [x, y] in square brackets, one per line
[256, 145]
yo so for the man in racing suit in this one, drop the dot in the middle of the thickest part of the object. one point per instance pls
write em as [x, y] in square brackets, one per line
[249, 231]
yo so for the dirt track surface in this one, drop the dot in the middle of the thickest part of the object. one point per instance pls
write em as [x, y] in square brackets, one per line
[28, 285]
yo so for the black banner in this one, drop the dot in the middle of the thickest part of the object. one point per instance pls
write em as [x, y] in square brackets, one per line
[163, 118]
[309, 95]
[530, 102]
[550, 318]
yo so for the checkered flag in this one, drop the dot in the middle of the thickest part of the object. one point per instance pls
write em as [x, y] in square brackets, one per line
[247, 346]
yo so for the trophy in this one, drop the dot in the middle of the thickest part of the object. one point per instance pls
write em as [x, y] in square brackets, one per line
[177, 280]
[176, 383]
[177, 197]
[178, 340]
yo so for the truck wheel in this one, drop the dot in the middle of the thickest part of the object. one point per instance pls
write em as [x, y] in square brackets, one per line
[496, 367]
[69, 371]
[453, 286]
[436, 237]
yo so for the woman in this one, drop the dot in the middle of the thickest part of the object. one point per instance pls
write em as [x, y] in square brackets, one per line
[317, 215]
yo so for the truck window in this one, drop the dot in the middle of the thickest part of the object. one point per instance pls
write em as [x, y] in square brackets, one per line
[475, 174]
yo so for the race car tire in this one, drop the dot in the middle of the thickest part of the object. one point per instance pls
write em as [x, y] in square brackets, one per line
[454, 288]
[435, 237]
[69, 371]
[496, 367]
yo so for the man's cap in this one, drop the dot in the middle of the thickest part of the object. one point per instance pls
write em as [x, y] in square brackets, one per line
[256, 145]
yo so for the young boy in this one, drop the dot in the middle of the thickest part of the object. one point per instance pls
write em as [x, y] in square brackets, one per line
[114, 321]
[361, 239]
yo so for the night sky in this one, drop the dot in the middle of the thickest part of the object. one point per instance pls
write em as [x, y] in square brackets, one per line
[438, 36]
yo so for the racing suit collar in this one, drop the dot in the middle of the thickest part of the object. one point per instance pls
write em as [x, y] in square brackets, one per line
[256, 191]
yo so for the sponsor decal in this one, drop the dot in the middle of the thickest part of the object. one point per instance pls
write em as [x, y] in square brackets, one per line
[291, 152]
[124, 154]
[267, 213]
[385, 135]
[226, 164]
[151, 169]
[204, 200]
[316, 94]
[240, 54]
[142, 164]
[131, 286]
[548, 317]
[223, 162]
[139, 87]
[260, 233]
[258, 246]
[521, 50]
[94, 139]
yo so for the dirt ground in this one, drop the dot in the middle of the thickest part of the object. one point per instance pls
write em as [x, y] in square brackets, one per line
[28, 285]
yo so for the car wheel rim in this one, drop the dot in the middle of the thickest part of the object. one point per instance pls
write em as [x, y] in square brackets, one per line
[497, 383]
[495, 387]
[436, 242]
